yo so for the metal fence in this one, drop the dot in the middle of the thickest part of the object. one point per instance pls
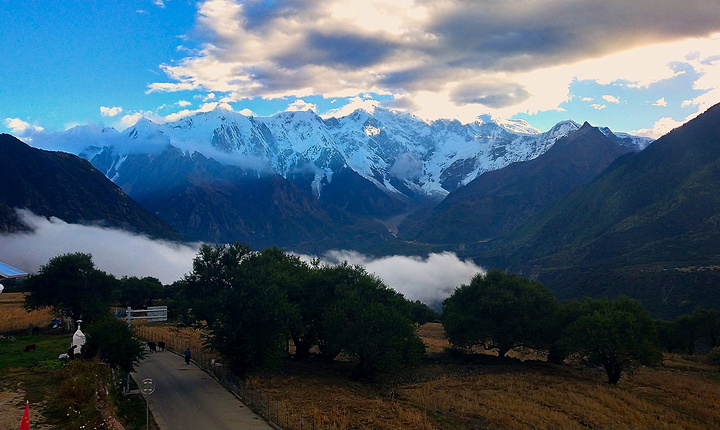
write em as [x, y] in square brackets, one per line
[278, 414]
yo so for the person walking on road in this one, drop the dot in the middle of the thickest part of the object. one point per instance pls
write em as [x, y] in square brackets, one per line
[187, 356]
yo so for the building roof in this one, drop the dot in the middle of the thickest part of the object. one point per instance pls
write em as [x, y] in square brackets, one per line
[8, 272]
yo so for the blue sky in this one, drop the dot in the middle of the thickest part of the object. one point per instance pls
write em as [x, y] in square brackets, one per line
[641, 66]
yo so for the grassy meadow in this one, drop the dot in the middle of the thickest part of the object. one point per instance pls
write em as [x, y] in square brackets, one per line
[448, 391]
[14, 317]
[62, 394]
[479, 391]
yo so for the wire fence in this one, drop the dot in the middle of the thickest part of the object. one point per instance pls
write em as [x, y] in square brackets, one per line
[280, 415]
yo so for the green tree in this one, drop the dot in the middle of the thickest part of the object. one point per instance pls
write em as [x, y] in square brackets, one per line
[499, 311]
[689, 328]
[138, 293]
[237, 293]
[709, 322]
[72, 286]
[620, 335]
[422, 313]
[113, 341]
[670, 336]
[372, 322]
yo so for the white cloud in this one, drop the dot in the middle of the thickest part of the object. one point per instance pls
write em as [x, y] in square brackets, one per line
[662, 126]
[301, 105]
[429, 279]
[597, 106]
[438, 58]
[113, 251]
[18, 126]
[184, 103]
[355, 103]
[611, 99]
[660, 102]
[247, 112]
[110, 111]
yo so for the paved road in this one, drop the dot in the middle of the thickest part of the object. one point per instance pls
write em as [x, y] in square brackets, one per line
[185, 397]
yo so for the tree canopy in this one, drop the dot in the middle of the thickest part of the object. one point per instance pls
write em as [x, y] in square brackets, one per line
[113, 341]
[499, 311]
[72, 286]
[620, 335]
[254, 302]
[370, 321]
[235, 291]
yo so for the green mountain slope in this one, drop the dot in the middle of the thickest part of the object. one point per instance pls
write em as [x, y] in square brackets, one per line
[495, 203]
[647, 227]
[68, 187]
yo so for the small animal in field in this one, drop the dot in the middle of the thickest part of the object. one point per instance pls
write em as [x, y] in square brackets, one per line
[151, 345]
[30, 347]
[161, 346]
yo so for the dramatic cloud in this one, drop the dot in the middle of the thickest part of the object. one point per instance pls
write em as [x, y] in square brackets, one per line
[113, 251]
[429, 280]
[443, 58]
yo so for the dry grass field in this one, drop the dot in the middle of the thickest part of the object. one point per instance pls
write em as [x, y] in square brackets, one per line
[475, 392]
[484, 393]
[13, 317]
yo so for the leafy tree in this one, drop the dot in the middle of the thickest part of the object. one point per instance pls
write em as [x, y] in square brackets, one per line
[138, 293]
[499, 311]
[235, 291]
[72, 286]
[714, 354]
[371, 322]
[422, 313]
[689, 329]
[564, 315]
[709, 322]
[113, 340]
[670, 336]
[620, 335]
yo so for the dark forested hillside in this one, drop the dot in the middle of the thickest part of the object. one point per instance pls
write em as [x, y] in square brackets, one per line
[208, 201]
[495, 203]
[68, 187]
[648, 227]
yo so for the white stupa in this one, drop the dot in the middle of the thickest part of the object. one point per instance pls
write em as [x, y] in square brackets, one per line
[78, 339]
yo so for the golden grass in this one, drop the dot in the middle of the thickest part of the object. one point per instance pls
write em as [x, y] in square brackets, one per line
[13, 317]
[334, 403]
[547, 398]
[682, 394]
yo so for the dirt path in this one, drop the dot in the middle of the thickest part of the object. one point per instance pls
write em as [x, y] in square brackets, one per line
[186, 397]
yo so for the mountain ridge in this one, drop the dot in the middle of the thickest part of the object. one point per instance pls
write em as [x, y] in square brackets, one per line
[646, 227]
[495, 203]
[58, 184]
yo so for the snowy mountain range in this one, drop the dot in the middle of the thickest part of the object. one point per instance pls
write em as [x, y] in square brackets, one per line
[397, 152]
[299, 181]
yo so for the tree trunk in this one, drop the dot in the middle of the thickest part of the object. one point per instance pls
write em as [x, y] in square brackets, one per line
[613, 368]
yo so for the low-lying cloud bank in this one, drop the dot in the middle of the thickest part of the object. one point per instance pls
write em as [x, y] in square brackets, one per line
[429, 279]
[114, 251]
[121, 253]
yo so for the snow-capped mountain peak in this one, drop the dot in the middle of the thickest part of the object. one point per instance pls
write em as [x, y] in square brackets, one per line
[398, 152]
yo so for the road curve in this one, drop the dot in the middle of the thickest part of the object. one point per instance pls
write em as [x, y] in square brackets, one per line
[185, 397]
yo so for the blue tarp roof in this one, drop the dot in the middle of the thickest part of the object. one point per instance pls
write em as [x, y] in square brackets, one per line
[7, 271]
